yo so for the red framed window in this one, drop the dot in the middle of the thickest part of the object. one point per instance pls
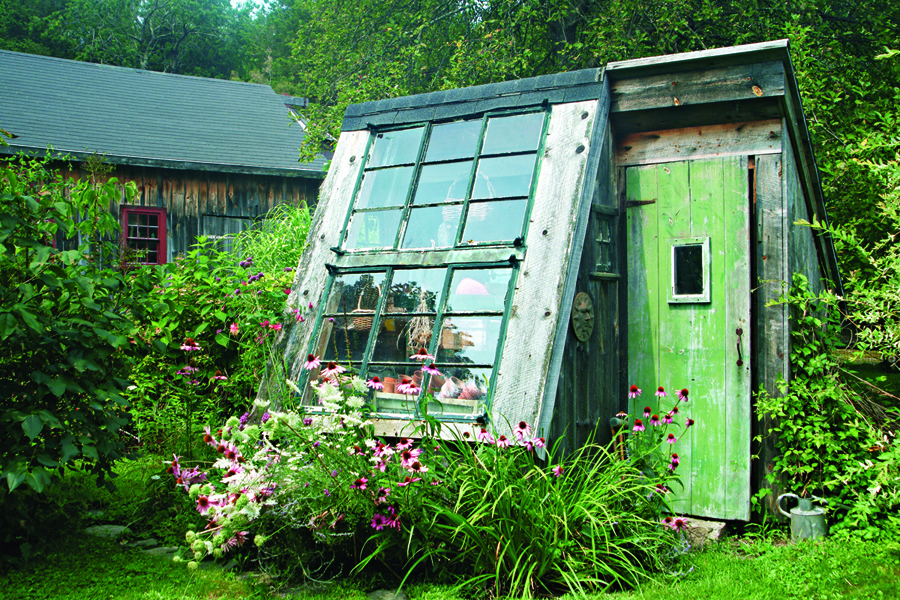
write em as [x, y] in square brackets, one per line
[144, 230]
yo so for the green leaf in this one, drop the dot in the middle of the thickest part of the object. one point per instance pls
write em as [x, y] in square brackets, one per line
[222, 340]
[57, 387]
[90, 451]
[69, 451]
[45, 460]
[14, 480]
[32, 426]
[35, 481]
[8, 325]
[30, 320]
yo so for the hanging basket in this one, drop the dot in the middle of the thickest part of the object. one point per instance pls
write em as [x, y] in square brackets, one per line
[362, 319]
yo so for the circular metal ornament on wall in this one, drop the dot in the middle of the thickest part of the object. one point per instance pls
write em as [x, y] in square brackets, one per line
[583, 316]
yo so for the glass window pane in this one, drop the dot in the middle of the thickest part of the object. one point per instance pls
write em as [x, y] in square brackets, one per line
[445, 182]
[459, 390]
[469, 340]
[387, 187]
[494, 221]
[354, 292]
[513, 134]
[132, 219]
[396, 147]
[416, 290]
[453, 140]
[478, 289]
[344, 338]
[373, 229]
[504, 176]
[688, 262]
[399, 337]
[432, 227]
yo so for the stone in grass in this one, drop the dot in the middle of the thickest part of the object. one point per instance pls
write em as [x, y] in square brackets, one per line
[701, 531]
[148, 543]
[108, 531]
[387, 595]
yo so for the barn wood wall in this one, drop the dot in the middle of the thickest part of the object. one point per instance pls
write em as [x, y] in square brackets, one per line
[590, 391]
[189, 196]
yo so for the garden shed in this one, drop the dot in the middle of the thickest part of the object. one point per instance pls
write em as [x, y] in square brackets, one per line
[208, 156]
[553, 240]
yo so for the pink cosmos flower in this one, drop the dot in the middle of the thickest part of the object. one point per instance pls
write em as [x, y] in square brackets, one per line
[312, 362]
[671, 438]
[375, 383]
[638, 425]
[189, 345]
[634, 391]
[521, 430]
[422, 355]
[233, 329]
[661, 392]
[557, 471]
[332, 369]
[683, 395]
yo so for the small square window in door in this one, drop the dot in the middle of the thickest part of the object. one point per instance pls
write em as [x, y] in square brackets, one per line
[689, 264]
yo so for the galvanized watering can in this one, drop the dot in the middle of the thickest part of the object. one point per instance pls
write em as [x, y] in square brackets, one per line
[807, 521]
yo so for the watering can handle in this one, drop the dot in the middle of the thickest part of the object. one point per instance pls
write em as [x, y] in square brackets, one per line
[778, 503]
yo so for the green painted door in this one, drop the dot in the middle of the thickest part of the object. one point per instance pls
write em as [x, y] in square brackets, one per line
[688, 295]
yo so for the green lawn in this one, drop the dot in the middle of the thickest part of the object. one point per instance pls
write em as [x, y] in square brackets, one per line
[89, 569]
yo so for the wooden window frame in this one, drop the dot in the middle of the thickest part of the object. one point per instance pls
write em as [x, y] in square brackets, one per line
[160, 212]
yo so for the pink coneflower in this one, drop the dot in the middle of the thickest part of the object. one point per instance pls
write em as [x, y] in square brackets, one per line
[679, 524]
[638, 426]
[408, 481]
[521, 430]
[683, 394]
[378, 522]
[406, 386]
[431, 370]
[307, 421]
[661, 392]
[502, 442]
[264, 324]
[275, 326]
[382, 495]
[634, 391]
[404, 443]
[528, 444]
[675, 461]
[557, 471]
[208, 437]
[417, 467]
[332, 369]
[647, 412]
[671, 438]
[187, 370]
[189, 345]
[667, 522]
[203, 504]
[233, 329]
[689, 423]
[422, 355]
[667, 418]
[375, 383]
[484, 436]
[219, 377]
[654, 421]
[408, 456]
[539, 442]
[359, 484]
[312, 362]
[661, 489]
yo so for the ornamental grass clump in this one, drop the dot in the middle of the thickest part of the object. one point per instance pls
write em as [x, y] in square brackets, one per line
[318, 496]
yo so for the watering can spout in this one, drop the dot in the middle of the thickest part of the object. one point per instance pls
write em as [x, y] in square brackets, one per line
[807, 521]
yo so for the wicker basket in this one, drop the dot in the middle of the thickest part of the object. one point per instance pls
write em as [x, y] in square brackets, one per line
[361, 318]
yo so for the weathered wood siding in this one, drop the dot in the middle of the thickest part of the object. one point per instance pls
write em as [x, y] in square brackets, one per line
[206, 202]
[590, 389]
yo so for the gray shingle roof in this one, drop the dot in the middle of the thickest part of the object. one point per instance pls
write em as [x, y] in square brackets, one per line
[147, 118]
[553, 89]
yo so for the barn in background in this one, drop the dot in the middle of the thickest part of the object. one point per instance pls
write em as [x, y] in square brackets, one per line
[208, 156]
